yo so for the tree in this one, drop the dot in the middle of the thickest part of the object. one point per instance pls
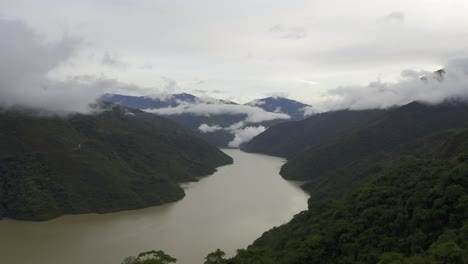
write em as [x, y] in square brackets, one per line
[128, 260]
[150, 257]
[216, 257]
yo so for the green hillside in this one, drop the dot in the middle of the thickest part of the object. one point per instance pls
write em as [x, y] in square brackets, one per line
[414, 211]
[115, 160]
[292, 138]
[335, 167]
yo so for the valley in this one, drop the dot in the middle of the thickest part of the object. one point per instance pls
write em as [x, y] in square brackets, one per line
[226, 210]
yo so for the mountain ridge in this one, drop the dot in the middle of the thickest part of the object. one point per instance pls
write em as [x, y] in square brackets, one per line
[177, 107]
[115, 160]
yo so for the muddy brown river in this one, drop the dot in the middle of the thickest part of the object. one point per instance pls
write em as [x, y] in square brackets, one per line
[226, 210]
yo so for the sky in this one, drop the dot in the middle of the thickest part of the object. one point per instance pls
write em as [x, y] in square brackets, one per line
[329, 54]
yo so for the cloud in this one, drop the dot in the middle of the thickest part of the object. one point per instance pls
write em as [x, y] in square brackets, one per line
[256, 102]
[26, 62]
[112, 60]
[309, 110]
[283, 32]
[147, 66]
[253, 114]
[170, 85]
[430, 87]
[244, 135]
[396, 16]
[208, 129]
[278, 95]
[202, 91]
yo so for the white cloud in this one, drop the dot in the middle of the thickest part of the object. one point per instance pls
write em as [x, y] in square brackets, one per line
[432, 88]
[395, 16]
[253, 114]
[26, 62]
[283, 32]
[208, 129]
[244, 135]
[26, 59]
[309, 110]
[256, 102]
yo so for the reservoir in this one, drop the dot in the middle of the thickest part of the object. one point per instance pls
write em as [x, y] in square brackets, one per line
[227, 210]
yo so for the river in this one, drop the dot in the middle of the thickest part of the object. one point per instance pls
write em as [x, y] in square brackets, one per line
[226, 210]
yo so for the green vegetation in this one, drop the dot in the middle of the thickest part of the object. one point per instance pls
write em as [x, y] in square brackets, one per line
[115, 160]
[336, 166]
[414, 211]
[216, 257]
[150, 257]
[292, 138]
[409, 205]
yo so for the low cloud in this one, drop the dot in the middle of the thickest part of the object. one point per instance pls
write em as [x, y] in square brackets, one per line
[309, 110]
[209, 129]
[253, 114]
[112, 60]
[245, 135]
[26, 62]
[283, 32]
[256, 102]
[241, 132]
[170, 85]
[429, 87]
[278, 95]
[396, 16]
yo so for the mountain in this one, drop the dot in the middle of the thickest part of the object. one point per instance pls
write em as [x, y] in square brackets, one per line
[292, 138]
[414, 211]
[293, 108]
[116, 159]
[145, 102]
[338, 165]
[228, 120]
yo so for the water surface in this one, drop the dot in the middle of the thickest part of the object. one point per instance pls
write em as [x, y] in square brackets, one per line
[226, 210]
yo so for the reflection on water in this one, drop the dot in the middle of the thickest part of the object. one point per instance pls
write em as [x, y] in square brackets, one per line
[227, 210]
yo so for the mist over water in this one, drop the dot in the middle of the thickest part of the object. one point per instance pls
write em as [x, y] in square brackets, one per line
[227, 210]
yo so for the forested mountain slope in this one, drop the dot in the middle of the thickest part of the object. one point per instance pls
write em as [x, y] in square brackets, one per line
[337, 166]
[414, 211]
[113, 160]
[292, 138]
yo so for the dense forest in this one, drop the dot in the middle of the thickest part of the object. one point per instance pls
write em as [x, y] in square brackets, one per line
[414, 211]
[336, 152]
[292, 138]
[115, 159]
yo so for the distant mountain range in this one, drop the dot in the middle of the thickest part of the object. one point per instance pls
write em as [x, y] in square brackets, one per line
[222, 123]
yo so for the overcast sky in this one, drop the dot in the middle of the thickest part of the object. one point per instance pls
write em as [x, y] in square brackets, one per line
[241, 50]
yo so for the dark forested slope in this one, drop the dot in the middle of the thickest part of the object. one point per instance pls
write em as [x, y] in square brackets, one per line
[337, 166]
[115, 160]
[292, 138]
[414, 211]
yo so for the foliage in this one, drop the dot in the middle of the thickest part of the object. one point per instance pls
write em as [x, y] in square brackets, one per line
[150, 257]
[113, 160]
[337, 166]
[216, 257]
[414, 211]
[292, 138]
